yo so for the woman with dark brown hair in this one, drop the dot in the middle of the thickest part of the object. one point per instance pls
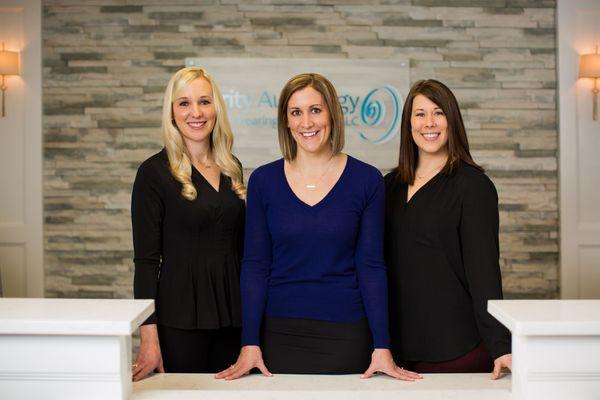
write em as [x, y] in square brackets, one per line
[441, 244]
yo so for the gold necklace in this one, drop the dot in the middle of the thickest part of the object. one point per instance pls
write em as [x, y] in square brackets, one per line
[199, 163]
[313, 186]
[430, 172]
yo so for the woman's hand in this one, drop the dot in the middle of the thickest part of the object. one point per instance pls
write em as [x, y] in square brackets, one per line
[382, 361]
[149, 358]
[250, 357]
[502, 361]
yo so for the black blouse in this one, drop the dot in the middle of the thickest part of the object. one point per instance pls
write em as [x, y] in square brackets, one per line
[187, 253]
[442, 259]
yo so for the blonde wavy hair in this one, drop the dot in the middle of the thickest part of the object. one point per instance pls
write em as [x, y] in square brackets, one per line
[221, 139]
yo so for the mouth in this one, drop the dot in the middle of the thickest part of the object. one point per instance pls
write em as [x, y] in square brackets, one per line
[196, 124]
[430, 136]
[309, 134]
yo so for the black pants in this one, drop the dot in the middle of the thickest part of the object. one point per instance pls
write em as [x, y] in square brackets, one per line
[302, 346]
[199, 350]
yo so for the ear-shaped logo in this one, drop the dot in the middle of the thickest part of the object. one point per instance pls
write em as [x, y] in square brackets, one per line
[381, 107]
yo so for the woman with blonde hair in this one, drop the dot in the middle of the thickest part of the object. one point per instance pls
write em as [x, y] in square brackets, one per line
[314, 288]
[188, 215]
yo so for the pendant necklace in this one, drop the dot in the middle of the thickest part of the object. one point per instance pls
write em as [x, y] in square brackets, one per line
[313, 186]
[430, 172]
[205, 165]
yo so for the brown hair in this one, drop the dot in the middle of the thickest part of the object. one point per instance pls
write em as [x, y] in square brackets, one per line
[458, 145]
[322, 85]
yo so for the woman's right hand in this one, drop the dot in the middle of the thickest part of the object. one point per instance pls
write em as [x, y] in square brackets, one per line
[149, 357]
[250, 357]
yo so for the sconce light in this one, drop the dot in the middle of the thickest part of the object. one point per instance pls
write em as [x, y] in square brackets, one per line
[9, 65]
[589, 67]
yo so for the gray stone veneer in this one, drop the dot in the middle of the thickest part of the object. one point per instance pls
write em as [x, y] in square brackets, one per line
[106, 64]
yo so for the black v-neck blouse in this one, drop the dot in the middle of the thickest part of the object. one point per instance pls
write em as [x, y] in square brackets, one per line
[442, 255]
[187, 254]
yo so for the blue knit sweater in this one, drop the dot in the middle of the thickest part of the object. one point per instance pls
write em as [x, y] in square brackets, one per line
[321, 262]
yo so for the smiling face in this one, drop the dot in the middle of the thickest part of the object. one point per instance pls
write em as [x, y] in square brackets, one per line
[309, 121]
[429, 126]
[194, 111]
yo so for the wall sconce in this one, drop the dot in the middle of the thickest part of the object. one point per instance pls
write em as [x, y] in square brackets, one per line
[589, 67]
[9, 65]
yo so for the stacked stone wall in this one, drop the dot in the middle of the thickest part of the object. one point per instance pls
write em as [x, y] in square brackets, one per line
[106, 64]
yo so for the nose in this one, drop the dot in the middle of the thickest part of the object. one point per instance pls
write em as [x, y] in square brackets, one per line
[429, 120]
[306, 120]
[196, 110]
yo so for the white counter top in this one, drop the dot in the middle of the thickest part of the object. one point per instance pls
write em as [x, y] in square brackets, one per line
[548, 317]
[72, 316]
[555, 346]
[68, 349]
[330, 387]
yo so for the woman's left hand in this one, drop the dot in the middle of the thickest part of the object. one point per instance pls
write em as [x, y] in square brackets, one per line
[502, 361]
[382, 361]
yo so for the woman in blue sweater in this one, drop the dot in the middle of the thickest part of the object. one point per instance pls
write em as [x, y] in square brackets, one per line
[313, 281]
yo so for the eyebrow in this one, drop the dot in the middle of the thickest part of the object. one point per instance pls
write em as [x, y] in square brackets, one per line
[187, 98]
[422, 109]
[312, 105]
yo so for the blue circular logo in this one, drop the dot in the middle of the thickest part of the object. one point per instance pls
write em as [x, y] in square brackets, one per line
[373, 113]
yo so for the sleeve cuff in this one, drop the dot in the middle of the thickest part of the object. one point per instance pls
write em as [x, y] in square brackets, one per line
[381, 343]
[500, 348]
[250, 337]
[152, 319]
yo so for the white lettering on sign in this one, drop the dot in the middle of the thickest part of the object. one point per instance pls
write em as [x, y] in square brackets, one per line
[371, 93]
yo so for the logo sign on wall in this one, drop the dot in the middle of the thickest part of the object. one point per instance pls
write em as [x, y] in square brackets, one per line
[371, 93]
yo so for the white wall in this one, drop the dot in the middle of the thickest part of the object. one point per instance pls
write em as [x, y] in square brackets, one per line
[578, 33]
[21, 236]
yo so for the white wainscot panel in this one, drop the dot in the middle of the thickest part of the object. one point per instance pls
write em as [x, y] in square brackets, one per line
[589, 277]
[588, 139]
[21, 150]
[12, 269]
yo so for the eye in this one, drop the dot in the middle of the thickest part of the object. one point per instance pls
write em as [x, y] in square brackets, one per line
[183, 103]
[439, 112]
[295, 113]
[315, 110]
[420, 114]
[205, 102]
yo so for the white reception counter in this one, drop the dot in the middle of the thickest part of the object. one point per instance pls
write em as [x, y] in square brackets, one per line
[75, 349]
[68, 348]
[322, 387]
[556, 347]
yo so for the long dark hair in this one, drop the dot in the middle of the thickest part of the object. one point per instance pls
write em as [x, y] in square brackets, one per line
[458, 145]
